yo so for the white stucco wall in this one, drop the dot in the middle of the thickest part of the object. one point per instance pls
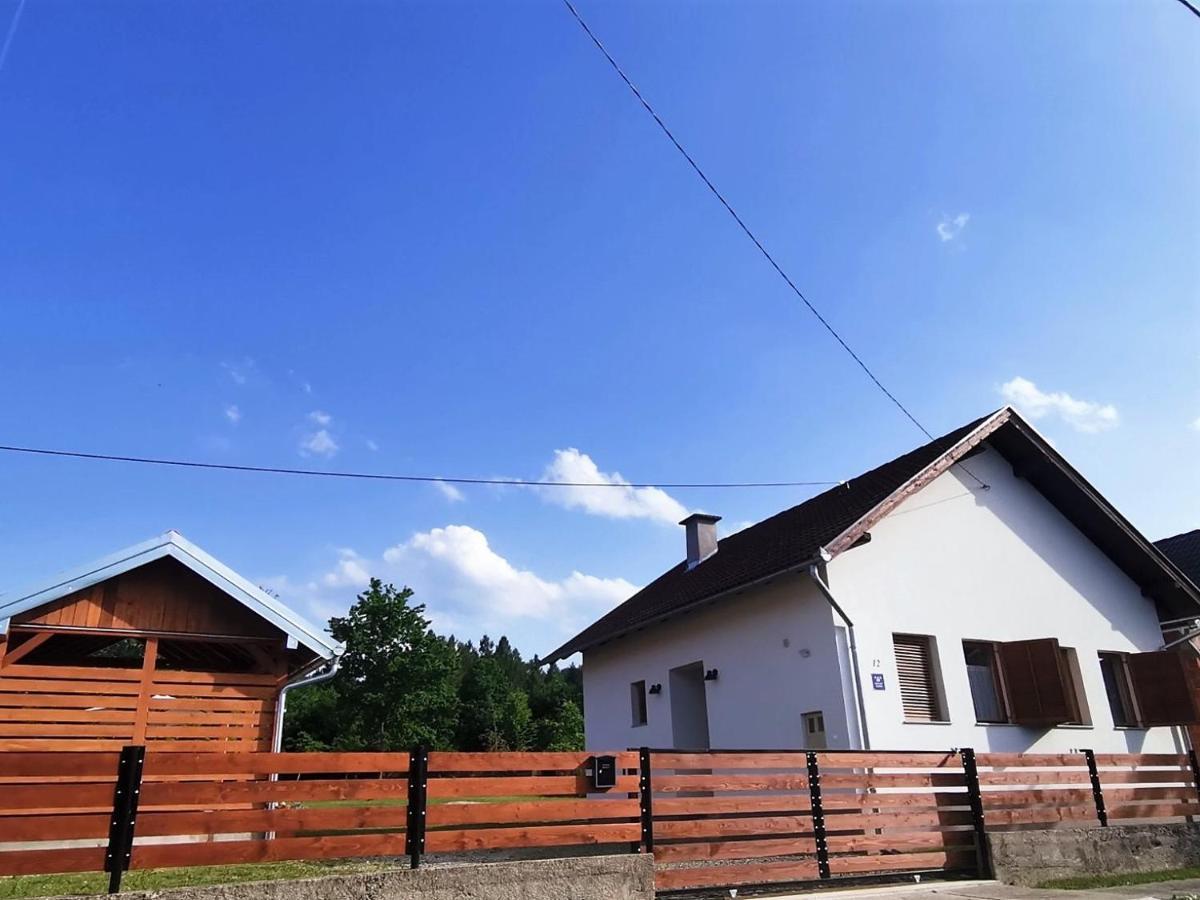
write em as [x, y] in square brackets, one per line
[959, 563]
[764, 686]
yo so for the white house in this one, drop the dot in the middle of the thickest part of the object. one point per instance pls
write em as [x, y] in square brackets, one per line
[976, 591]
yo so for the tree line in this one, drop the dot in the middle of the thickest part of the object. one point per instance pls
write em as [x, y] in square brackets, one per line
[400, 685]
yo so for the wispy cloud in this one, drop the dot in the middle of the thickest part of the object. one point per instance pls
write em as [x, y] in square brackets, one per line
[319, 443]
[373, 446]
[1086, 416]
[450, 491]
[11, 33]
[951, 226]
[317, 417]
[239, 372]
[619, 502]
[1196, 424]
[233, 414]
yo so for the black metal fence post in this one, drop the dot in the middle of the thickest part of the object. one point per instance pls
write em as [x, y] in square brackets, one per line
[983, 855]
[1097, 790]
[418, 794]
[818, 814]
[124, 814]
[646, 800]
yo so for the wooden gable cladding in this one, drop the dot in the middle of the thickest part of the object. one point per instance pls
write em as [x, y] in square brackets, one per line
[162, 596]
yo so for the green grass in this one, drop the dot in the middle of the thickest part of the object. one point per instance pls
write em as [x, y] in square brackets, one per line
[1085, 882]
[158, 879]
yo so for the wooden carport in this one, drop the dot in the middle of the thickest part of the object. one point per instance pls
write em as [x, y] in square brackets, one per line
[159, 644]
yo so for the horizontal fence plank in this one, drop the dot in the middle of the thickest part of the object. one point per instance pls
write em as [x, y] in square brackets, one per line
[931, 841]
[193, 793]
[1181, 793]
[210, 853]
[1142, 759]
[676, 783]
[50, 766]
[897, 821]
[890, 780]
[54, 826]
[1153, 810]
[831, 799]
[721, 876]
[1039, 814]
[730, 805]
[1034, 776]
[1026, 760]
[729, 760]
[267, 763]
[60, 797]
[522, 762]
[237, 821]
[443, 814]
[898, 862]
[42, 862]
[520, 786]
[886, 760]
[707, 828]
[747, 849]
[999, 799]
[459, 840]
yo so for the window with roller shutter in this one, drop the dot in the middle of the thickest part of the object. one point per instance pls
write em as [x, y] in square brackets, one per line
[917, 677]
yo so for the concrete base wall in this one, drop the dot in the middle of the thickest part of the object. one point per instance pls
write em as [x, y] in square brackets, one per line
[1032, 857]
[628, 877]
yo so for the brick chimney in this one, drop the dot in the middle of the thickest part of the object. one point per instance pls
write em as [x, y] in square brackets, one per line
[701, 537]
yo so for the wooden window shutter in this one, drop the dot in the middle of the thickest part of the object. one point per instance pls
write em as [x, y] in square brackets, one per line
[1164, 688]
[1038, 689]
[918, 688]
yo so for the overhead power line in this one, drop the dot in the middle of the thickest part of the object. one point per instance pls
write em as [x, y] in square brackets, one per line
[746, 228]
[381, 476]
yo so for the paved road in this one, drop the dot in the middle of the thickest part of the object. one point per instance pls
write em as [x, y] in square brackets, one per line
[991, 890]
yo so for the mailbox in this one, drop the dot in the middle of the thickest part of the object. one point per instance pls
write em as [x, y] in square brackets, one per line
[604, 772]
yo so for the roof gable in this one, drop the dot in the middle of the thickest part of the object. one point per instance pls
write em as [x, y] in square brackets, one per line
[174, 546]
[830, 523]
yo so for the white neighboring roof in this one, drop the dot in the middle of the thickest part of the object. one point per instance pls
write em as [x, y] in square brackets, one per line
[176, 546]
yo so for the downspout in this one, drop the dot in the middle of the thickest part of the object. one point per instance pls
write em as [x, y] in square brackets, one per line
[301, 679]
[860, 706]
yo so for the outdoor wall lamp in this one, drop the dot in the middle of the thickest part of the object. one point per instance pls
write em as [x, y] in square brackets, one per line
[711, 675]
[655, 689]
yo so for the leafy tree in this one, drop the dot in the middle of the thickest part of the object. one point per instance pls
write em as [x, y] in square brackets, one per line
[397, 679]
[563, 731]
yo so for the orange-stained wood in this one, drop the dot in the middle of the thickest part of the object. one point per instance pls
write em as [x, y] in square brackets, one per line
[535, 836]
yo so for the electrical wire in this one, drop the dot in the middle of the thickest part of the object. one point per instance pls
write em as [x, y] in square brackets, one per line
[746, 229]
[379, 476]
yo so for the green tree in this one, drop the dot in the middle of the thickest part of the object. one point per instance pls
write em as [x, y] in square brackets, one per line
[396, 687]
[562, 731]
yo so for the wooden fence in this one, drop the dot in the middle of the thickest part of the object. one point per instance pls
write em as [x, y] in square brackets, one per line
[713, 819]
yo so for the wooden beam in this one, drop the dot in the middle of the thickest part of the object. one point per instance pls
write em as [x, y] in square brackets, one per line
[142, 714]
[19, 653]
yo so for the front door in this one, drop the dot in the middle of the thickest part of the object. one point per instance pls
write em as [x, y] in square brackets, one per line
[689, 707]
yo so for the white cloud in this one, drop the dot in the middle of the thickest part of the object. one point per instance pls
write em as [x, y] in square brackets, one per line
[1082, 415]
[350, 571]
[319, 443]
[468, 588]
[233, 414]
[317, 417]
[372, 445]
[240, 372]
[1196, 424]
[950, 226]
[622, 502]
[449, 491]
[734, 527]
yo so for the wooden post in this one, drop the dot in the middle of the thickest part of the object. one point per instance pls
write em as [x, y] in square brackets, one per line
[142, 713]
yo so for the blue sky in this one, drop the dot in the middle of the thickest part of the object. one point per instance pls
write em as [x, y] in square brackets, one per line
[442, 238]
